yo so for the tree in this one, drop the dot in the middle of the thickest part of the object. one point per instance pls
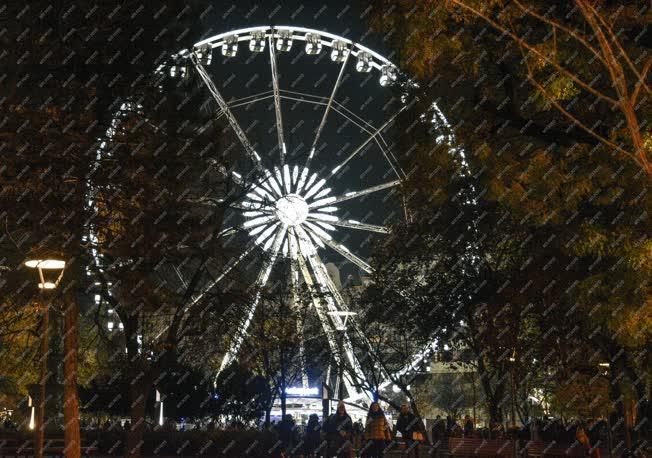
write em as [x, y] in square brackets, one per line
[274, 347]
[18, 344]
[71, 68]
[242, 395]
[580, 58]
[386, 349]
[447, 391]
[542, 224]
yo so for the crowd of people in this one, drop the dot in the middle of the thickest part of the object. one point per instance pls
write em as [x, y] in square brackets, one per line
[339, 436]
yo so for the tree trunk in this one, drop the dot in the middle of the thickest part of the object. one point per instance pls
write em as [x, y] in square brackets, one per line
[283, 403]
[71, 400]
[492, 396]
[620, 425]
[39, 436]
[475, 400]
[268, 416]
[641, 401]
[283, 393]
[138, 396]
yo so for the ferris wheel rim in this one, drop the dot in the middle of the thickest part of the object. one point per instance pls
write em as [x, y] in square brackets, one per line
[267, 33]
[246, 34]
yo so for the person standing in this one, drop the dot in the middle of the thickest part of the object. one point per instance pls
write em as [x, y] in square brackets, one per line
[312, 436]
[411, 430]
[376, 432]
[450, 424]
[438, 430]
[338, 429]
[286, 432]
[358, 431]
[468, 427]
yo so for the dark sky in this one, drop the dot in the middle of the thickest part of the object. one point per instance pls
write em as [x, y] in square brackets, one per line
[248, 74]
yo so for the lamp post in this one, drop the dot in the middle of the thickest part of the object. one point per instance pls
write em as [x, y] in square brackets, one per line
[340, 318]
[159, 403]
[512, 361]
[45, 267]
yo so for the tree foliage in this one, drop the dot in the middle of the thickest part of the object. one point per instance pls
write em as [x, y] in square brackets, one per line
[527, 240]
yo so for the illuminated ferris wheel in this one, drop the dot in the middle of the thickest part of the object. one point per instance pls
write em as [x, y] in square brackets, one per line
[293, 209]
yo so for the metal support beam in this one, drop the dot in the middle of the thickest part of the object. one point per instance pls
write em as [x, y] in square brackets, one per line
[277, 99]
[203, 74]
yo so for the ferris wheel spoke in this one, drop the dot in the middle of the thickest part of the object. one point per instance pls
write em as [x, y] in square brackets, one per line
[252, 206]
[227, 268]
[261, 281]
[229, 231]
[324, 277]
[352, 195]
[233, 103]
[336, 106]
[336, 303]
[333, 108]
[353, 224]
[212, 88]
[277, 99]
[328, 328]
[343, 250]
[366, 142]
[413, 365]
[328, 107]
[258, 221]
[294, 281]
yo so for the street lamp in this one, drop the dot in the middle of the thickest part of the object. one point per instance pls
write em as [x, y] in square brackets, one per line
[159, 401]
[340, 319]
[50, 272]
[512, 361]
[49, 266]
[32, 416]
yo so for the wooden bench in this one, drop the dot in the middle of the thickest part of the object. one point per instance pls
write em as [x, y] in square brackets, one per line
[553, 449]
[473, 447]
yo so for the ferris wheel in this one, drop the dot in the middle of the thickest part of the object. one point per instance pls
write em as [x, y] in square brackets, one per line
[293, 211]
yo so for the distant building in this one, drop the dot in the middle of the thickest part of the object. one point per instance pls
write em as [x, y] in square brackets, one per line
[334, 273]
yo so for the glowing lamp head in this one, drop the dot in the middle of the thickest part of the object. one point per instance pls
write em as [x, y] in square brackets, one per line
[49, 264]
[47, 285]
[291, 210]
[53, 266]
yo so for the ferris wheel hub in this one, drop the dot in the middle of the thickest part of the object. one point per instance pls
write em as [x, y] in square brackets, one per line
[291, 209]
